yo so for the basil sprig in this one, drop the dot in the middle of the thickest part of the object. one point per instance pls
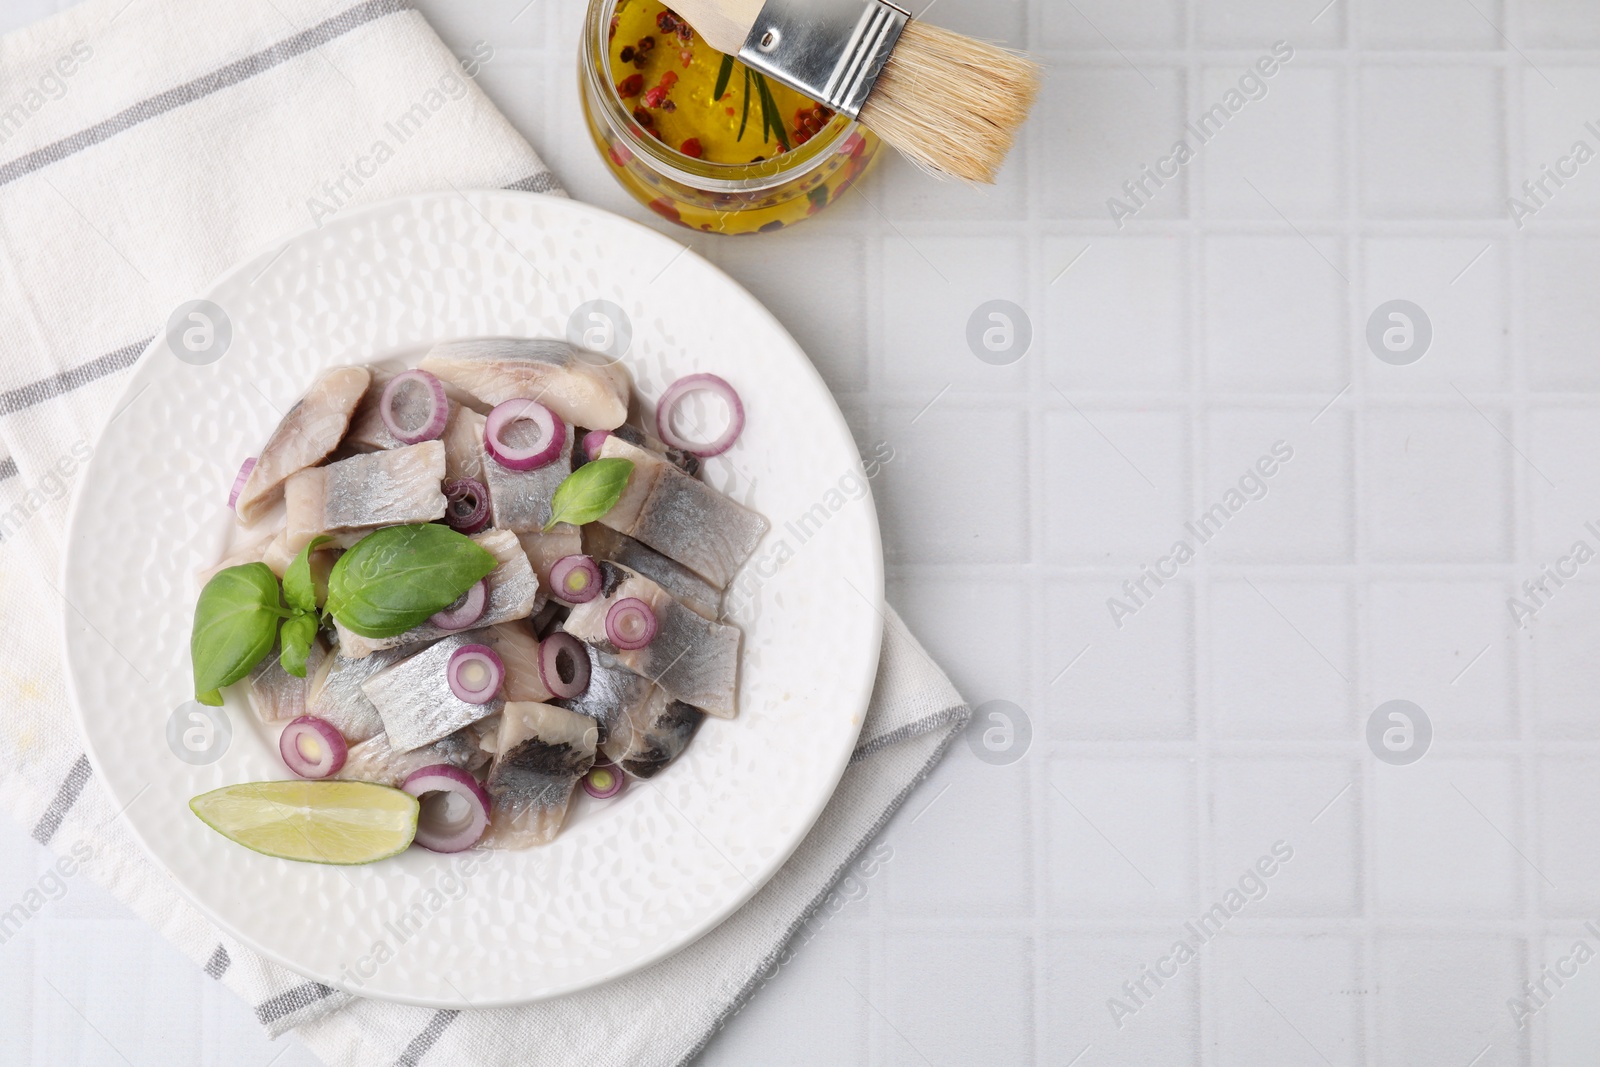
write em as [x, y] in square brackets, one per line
[589, 492]
[235, 625]
[394, 579]
[300, 629]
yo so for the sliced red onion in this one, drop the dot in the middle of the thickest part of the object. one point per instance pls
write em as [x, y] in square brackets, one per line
[455, 808]
[552, 434]
[593, 441]
[603, 783]
[467, 609]
[421, 423]
[238, 483]
[630, 624]
[699, 383]
[312, 747]
[466, 507]
[475, 673]
[564, 666]
[575, 579]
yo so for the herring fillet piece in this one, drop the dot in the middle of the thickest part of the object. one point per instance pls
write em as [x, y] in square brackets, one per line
[306, 435]
[518, 649]
[691, 590]
[337, 696]
[682, 517]
[520, 500]
[513, 594]
[614, 691]
[415, 701]
[544, 549]
[582, 388]
[658, 730]
[376, 760]
[275, 694]
[389, 488]
[462, 437]
[694, 659]
[541, 753]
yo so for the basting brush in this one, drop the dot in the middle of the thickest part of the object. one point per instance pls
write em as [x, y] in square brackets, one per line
[949, 103]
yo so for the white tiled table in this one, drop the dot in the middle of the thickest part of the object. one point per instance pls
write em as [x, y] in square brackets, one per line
[1229, 711]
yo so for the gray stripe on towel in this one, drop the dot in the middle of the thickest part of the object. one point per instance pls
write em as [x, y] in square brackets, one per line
[8, 468]
[221, 78]
[218, 964]
[66, 381]
[297, 999]
[420, 1044]
[72, 785]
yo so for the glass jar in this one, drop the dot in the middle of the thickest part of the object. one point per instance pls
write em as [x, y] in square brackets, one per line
[732, 198]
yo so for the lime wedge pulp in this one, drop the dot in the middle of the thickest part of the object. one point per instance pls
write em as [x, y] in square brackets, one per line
[342, 823]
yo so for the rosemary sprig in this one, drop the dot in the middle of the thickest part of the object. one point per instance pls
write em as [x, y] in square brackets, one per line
[722, 78]
[744, 120]
[769, 112]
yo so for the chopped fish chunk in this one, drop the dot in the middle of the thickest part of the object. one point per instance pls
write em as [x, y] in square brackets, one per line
[400, 485]
[658, 731]
[376, 760]
[310, 431]
[337, 696]
[691, 590]
[614, 691]
[682, 517]
[415, 700]
[541, 753]
[543, 549]
[275, 694]
[520, 500]
[694, 659]
[581, 388]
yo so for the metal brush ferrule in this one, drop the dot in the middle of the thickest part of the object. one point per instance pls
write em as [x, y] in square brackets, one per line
[830, 50]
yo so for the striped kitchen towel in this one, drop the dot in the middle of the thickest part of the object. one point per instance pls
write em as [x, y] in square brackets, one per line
[145, 146]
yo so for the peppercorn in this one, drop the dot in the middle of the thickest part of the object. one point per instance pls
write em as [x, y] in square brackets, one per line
[691, 147]
[632, 85]
[642, 117]
[627, 53]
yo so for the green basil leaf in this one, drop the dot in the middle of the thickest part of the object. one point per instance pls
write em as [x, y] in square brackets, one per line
[589, 492]
[211, 699]
[298, 588]
[235, 624]
[392, 580]
[296, 638]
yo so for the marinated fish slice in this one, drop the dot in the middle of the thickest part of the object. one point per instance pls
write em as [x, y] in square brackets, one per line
[252, 551]
[414, 697]
[513, 594]
[542, 751]
[543, 549]
[658, 731]
[368, 433]
[464, 456]
[520, 500]
[682, 517]
[278, 555]
[400, 485]
[613, 693]
[376, 760]
[687, 462]
[690, 590]
[308, 433]
[582, 389]
[694, 659]
[519, 651]
[275, 694]
[337, 696]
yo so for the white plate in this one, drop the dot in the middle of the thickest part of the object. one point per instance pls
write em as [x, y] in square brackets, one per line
[629, 881]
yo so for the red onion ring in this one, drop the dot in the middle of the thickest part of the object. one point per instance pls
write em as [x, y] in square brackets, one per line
[630, 624]
[312, 748]
[698, 383]
[434, 419]
[575, 579]
[572, 681]
[552, 435]
[603, 783]
[475, 673]
[593, 441]
[455, 808]
[238, 483]
[468, 608]
[466, 505]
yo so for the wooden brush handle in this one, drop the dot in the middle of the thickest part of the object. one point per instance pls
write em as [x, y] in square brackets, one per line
[723, 24]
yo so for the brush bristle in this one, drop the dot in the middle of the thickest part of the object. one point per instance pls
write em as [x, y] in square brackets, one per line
[952, 104]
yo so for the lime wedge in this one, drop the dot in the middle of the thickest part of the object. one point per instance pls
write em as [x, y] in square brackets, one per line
[318, 822]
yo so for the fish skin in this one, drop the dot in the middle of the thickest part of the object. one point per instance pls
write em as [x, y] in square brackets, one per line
[389, 488]
[613, 693]
[514, 594]
[337, 696]
[657, 732]
[690, 590]
[375, 759]
[694, 659]
[681, 517]
[520, 500]
[275, 694]
[581, 389]
[414, 699]
[306, 435]
[541, 753]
